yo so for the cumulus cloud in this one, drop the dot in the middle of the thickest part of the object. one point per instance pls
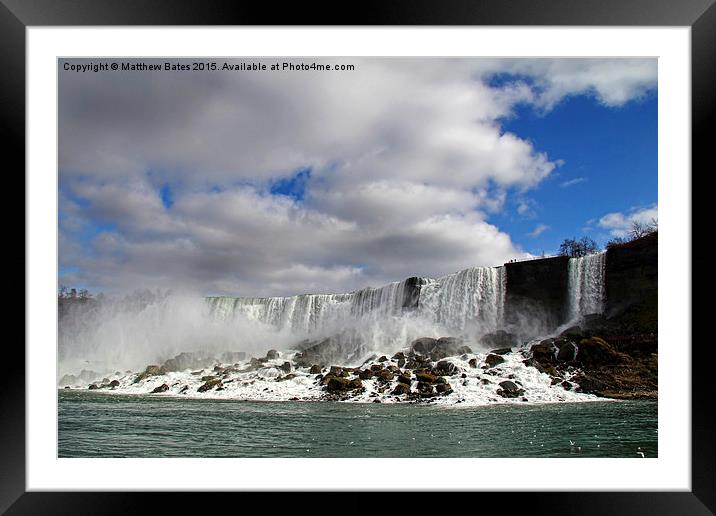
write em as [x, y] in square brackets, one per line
[406, 158]
[619, 224]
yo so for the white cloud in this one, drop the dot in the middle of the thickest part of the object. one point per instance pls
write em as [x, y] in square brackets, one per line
[572, 182]
[407, 159]
[538, 230]
[619, 224]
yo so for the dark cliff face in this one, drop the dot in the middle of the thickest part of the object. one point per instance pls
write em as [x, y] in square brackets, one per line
[631, 284]
[536, 293]
[411, 293]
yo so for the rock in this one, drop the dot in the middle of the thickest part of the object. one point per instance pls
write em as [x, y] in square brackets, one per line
[572, 333]
[493, 360]
[385, 375]
[594, 351]
[401, 388]
[67, 387]
[208, 377]
[188, 360]
[438, 348]
[485, 381]
[501, 351]
[425, 388]
[271, 354]
[499, 339]
[210, 384]
[443, 388]
[336, 384]
[462, 350]
[423, 345]
[376, 367]
[440, 380]
[377, 401]
[151, 370]
[113, 384]
[287, 377]
[355, 383]
[425, 377]
[445, 368]
[315, 369]
[545, 351]
[93, 386]
[473, 363]
[183, 389]
[365, 374]
[162, 388]
[567, 385]
[404, 379]
[286, 367]
[383, 359]
[399, 355]
[509, 389]
[463, 375]
[401, 363]
[567, 352]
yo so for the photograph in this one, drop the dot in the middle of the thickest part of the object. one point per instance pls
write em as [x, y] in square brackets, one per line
[357, 257]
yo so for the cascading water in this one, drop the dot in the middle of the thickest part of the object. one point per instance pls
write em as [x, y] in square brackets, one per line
[471, 298]
[468, 301]
[586, 285]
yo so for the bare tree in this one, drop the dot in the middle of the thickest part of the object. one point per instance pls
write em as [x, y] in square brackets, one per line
[638, 230]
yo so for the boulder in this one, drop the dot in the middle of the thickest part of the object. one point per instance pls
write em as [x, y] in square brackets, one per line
[501, 351]
[401, 363]
[113, 384]
[499, 339]
[376, 367]
[385, 375]
[492, 360]
[446, 368]
[509, 389]
[151, 370]
[473, 363]
[423, 345]
[383, 359]
[315, 369]
[365, 374]
[566, 385]
[287, 377]
[594, 352]
[271, 354]
[355, 383]
[162, 388]
[567, 352]
[404, 379]
[93, 386]
[545, 351]
[399, 355]
[425, 377]
[286, 367]
[572, 333]
[336, 384]
[209, 384]
[443, 388]
[462, 350]
[401, 388]
[425, 388]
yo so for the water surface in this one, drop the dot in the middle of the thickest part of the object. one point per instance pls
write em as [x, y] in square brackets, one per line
[104, 425]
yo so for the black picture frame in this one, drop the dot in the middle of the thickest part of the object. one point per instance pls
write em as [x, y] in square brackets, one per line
[700, 15]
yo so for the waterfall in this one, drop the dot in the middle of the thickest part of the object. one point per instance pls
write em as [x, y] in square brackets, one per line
[469, 299]
[586, 285]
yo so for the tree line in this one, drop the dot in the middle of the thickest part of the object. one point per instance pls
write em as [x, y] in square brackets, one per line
[576, 248]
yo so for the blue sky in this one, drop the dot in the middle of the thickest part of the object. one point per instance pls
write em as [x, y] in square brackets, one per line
[283, 183]
[610, 165]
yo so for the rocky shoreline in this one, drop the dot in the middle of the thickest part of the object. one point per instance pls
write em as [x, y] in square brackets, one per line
[576, 365]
